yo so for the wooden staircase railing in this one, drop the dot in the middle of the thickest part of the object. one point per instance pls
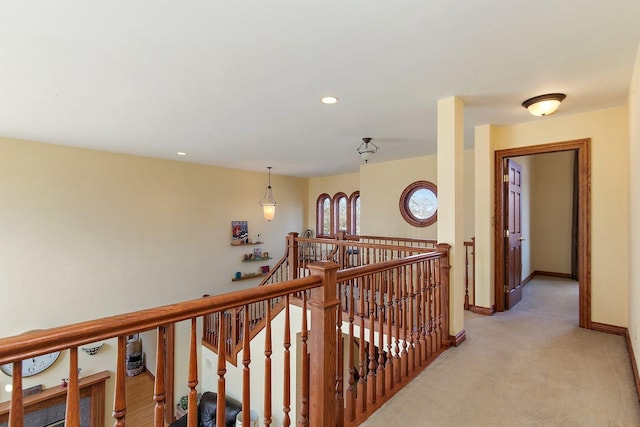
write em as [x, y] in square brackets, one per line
[403, 301]
[17, 348]
[346, 250]
[401, 316]
[301, 251]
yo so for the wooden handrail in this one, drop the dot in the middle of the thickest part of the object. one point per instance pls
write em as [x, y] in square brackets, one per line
[338, 249]
[279, 266]
[412, 291]
[344, 240]
[356, 244]
[396, 241]
[45, 341]
[403, 298]
[363, 270]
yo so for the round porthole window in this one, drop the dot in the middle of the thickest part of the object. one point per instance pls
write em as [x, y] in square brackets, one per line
[419, 203]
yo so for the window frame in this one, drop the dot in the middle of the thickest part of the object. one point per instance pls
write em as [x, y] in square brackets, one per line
[334, 213]
[405, 197]
[351, 212]
[320, 214]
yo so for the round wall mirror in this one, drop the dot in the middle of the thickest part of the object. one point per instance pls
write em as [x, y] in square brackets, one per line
[419, 203]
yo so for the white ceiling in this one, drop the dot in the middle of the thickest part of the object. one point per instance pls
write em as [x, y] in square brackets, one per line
[238, 83]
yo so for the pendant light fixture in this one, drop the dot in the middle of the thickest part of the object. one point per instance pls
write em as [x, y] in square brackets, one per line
[543, 105]
[367, 149]
[268, 202]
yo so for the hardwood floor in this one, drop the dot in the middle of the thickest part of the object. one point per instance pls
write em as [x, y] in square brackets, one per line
[140, 400]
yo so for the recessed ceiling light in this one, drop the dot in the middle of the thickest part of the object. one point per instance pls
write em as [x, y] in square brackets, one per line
[181, 153]
[329, 100]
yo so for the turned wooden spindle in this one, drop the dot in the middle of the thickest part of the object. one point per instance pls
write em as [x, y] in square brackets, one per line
[72, 412]
[159, 391]
[267, 367]
[120, 400]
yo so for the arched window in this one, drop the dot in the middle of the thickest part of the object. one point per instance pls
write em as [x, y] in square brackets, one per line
[339, 213]
[354, 213]
[323, 215]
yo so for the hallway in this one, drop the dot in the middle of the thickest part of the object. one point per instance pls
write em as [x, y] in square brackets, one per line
[529, 366]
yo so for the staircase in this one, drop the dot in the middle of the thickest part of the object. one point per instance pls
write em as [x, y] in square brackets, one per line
[392, 308]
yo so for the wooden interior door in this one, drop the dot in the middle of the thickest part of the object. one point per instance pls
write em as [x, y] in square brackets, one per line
[513, 233]
[583, 146]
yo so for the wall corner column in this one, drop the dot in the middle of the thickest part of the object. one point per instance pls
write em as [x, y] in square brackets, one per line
[450, 201]
[484, 221]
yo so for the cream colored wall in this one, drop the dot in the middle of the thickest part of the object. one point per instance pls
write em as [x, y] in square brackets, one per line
[484, 221]
[469, 195]
[381, 185]
[609, 133]
[546, 212]
[450, 180]
[552, 206]
[634, 207]
[87, 234]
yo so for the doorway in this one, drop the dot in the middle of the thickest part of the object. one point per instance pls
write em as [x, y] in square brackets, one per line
[582, 148]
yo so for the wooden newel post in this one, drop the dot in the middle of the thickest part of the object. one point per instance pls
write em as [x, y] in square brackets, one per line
[322, 346]
[473, 268]
[445, 268]
[293, 254]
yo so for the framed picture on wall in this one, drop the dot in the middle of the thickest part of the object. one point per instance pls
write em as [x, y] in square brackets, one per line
[239, 232]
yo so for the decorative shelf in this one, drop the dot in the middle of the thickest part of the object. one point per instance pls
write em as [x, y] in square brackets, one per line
[246, 244]
[256, 259]
[255, 276]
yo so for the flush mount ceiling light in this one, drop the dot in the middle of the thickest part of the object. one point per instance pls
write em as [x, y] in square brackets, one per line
[329, 100]
[544, 105]
[367, 149]
[268, 202]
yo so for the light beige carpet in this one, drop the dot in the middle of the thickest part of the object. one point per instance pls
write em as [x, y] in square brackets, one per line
[530, 366]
